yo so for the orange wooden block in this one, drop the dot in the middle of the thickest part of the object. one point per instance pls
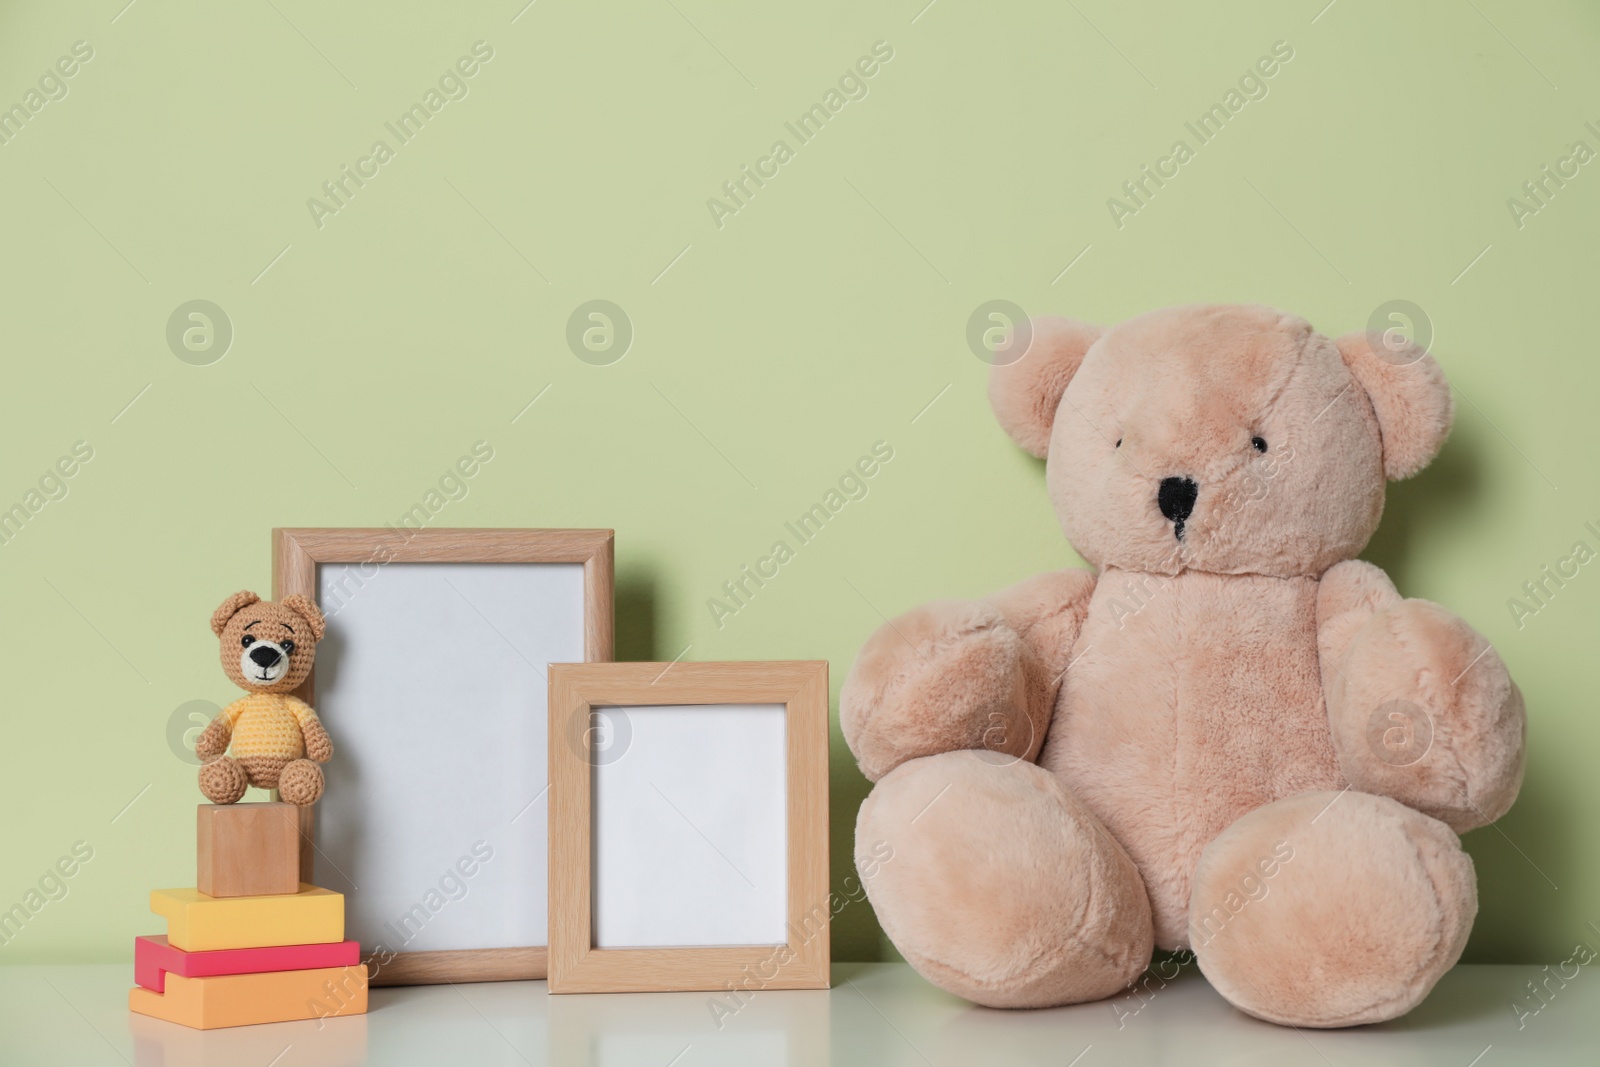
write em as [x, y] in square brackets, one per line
[247, 999]
[247, 850]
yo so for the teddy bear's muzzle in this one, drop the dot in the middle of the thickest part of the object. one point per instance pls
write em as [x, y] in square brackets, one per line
[264, 662]
[265, 656]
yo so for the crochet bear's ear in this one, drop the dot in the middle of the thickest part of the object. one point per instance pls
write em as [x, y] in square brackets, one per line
[229, 608]
[1032, 368]
[1410, 397]
[306, 609]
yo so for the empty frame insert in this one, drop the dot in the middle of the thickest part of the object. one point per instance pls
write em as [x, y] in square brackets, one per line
[688, 826]
[432, 681]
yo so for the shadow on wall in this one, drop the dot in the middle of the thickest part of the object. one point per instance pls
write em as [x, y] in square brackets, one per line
[1442, 496]
[855, 931]
[634, 603]
[1516, 877]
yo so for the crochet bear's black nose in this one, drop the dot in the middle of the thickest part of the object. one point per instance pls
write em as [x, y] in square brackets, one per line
[1176, 499]
[264, 657]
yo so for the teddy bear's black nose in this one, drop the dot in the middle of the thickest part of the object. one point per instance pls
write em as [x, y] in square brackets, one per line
[1176, 499]
[264, 657]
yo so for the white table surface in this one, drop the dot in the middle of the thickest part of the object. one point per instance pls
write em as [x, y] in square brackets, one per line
[876, 1014]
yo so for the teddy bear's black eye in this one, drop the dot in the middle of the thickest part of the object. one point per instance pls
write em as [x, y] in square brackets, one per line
[247, 640]
[1119, 442]
[288, 648]
[1259, 443]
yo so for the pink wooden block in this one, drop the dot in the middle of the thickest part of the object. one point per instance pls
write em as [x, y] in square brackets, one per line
[153, 959]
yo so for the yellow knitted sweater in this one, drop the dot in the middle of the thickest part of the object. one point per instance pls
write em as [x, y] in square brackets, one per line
[269, 724]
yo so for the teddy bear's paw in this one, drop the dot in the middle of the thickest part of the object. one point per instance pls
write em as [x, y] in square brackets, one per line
[300, 782]
[213, 740]
[1331, 909]
[222, 780]
[1423, 709]
[997, 886]
[943, 677]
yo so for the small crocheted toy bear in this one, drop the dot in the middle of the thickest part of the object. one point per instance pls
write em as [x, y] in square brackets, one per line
[277, 740]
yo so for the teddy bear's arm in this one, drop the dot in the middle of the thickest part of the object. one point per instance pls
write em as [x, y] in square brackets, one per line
[1047, 611]
[213, 740]
[319, 747]
[1350, 593]
[964, 674]
[1421, 707]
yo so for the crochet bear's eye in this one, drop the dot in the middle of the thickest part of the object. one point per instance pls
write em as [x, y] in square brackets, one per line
[288, 648]
[247, 640]
[1259, 443]
[1119, 442]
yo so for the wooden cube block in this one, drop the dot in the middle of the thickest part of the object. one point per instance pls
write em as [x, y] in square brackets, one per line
[247, 850]
[199, 923]
[154, 959]
[247, 999]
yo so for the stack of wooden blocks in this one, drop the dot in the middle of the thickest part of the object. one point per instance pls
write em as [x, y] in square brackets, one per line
[251, 943]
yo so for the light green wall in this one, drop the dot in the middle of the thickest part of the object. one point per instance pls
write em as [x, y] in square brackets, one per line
[822, 317]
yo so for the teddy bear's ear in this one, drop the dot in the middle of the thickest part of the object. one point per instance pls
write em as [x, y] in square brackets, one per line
[1409, 396]
[1031, 370]
[306, 609]
[229, 608]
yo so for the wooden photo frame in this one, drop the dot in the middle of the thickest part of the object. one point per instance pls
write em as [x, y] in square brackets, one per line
[432, 683]
[693, 764]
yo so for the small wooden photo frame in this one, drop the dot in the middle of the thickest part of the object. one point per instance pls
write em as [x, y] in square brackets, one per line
[688, 826]
[432, 681]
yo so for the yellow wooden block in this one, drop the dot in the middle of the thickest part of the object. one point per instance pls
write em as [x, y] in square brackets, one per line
[247, 999]
[198, 923]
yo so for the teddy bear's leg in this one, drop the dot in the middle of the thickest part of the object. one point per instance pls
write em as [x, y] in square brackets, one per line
[300, 782]
[222, 780]
[998, 886]
[1331, 909]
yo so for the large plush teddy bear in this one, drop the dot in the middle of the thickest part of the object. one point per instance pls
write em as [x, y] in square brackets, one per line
[1232, 736]
[267, 648]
